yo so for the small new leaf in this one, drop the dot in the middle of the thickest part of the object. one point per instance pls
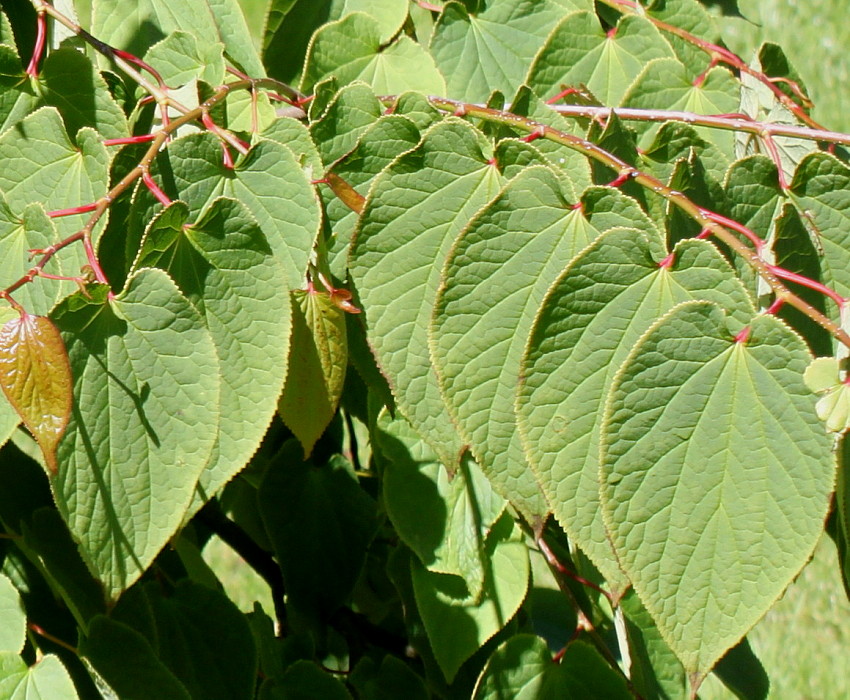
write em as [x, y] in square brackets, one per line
[823, 376]
[36, 377]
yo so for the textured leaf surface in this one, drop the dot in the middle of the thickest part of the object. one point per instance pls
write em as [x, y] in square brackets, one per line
[40, 164]
[143, 424]
[268, 181]
[479, 52]
[444, 519]
[80, 93]
[589, 320]
[48, 678]
[318, 358]
[458, 624]
[352, 49]
[36, 378]
[415, 209]
[224, 266]
[494, 281]
[712, 472]
[580, 52]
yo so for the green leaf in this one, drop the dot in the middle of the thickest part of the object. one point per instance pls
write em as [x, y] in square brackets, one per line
[583, 331]
[36, 378]
[42, 165]
[143, 424]
[197, 633]
[178, 58]
[318, 357]
[655, 671]
[47, 678]
[351, 49]
[693, 18]
[79, 92]
[321, 515]
[304, 680]
[392, 679]
[443, 518]
[666, 84]
[820, 192]
[458, 624]
[128, 663]
[32, 229]
[268, 182]
[693, 467]
[580, 52]
[493, 281]
[210, 21]
[14, 629]
[379, 144]
[522, 668]
[223, 265]
[479, 52]
[407, 227]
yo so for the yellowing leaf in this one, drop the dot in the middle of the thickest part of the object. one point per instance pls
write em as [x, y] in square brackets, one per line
[317, 361]
[36, 377]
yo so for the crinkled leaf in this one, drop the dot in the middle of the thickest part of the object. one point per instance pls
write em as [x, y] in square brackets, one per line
[318, 357]
[414, 211]
[494, 280]
[36, 378]
[223, 265]
[583, 331]
[713, 471]
[491, 49]
[833, 408]
[268, 181]
[143, 424]
[580, 52]
[457, 624]
[666, 84]
[41, 164]
[351, 49]
[341, 123]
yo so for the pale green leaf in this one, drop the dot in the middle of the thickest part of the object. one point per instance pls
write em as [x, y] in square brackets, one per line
[583, 331]
[414, 211]
[479, 52]
[14, 628]
[143, 424]
[351, 49]
[179, 58]
[223, 265]
[580, 52]
[712, 472]
[47, 678]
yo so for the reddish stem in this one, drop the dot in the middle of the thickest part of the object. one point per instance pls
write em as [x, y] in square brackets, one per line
[144, 138]
[784, 274]
[667, 263]
[775, 306]
[135, 60]
[735, 226]
[83, 209]
[154, 188]
[41, 35]
[556, 563]
[743, 335]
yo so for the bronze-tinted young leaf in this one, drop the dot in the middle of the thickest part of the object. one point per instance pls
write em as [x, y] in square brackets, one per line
[36, 378]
